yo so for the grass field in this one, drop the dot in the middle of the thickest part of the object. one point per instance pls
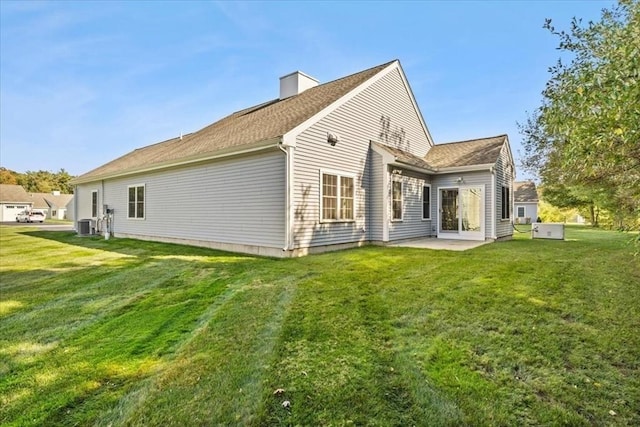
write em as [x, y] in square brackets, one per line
[124, 332]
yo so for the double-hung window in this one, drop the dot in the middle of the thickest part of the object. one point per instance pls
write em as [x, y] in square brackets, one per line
[396, 199]
[136, 201]
[426, 202]
[506, 202]
[337, 198]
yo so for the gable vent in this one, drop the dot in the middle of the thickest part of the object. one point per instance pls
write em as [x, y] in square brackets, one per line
[295, 83]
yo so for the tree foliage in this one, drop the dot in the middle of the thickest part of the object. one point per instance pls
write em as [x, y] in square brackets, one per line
[38, 181]
[585, 136]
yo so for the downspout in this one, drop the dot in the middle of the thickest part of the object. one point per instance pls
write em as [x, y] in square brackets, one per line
[288, 151]
[494, 198]
[75, 208]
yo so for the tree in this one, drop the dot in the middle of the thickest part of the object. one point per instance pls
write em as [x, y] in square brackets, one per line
[8, 176]
[586, 134]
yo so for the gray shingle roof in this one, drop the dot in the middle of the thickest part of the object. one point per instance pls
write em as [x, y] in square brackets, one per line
[405, 157]
[10, 193]
[49, 200]
[262, 122]
[525, 191]
[480, 151]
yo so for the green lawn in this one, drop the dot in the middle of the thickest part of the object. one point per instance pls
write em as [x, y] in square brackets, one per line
[124, 332]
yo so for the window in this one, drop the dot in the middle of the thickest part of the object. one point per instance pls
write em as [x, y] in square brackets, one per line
[396, 200]
[337, 197]
[10, 207]
[94, 203]
[520, 211]
[505, 203]
[136, 201]
[426, 202]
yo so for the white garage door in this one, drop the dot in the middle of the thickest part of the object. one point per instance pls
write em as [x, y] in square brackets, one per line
[8, 212]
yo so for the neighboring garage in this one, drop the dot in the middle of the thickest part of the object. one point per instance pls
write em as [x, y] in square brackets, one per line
[13, 200]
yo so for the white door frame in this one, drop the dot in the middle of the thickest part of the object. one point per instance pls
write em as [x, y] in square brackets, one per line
[460, 234]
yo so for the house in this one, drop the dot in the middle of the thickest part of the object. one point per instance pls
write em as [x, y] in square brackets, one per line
[322, 167]
[55, 204]
[525, 202]
[13, 200]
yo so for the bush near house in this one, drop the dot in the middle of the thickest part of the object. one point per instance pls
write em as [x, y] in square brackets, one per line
[123, 332]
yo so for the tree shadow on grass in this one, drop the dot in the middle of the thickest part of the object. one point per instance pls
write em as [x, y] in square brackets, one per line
[85, 331]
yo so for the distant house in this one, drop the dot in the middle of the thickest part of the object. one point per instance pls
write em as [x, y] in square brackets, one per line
[55, 204]
[525, 202]
[322, 167]
[13, 200]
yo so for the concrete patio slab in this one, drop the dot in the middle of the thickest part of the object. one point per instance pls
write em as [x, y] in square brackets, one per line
[440, 244]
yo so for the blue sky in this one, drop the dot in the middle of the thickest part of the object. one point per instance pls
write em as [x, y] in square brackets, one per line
[82, 83]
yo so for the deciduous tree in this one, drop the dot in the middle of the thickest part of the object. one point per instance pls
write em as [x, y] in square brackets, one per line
[586, 134]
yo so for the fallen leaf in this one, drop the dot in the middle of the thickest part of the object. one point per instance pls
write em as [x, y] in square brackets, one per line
[612, 412]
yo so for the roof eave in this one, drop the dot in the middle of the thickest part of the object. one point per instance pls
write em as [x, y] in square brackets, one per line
[415, 168]
[468, 168]
[198, 158]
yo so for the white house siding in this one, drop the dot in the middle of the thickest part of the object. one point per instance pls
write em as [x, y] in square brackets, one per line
[382, 112]
[375, 198]
[412, 224]
[481, 178]
[83, 195]
[503, 178]
[530, 210]
[239, 201]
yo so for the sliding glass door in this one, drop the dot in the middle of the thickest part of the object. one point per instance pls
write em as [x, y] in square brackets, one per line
[461, 211]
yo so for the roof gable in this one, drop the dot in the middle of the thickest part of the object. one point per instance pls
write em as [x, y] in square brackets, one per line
[473, 152]
[525, 192]
[11, 193]
[262, 122]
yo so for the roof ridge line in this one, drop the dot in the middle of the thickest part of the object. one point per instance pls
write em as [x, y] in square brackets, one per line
[471, 140]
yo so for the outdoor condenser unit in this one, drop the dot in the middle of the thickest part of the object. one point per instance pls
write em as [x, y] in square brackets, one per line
[546, 230]
[85, 227]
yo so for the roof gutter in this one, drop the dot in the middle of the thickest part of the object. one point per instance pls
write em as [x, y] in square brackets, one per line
[470, 168]
[226, 152]
[409, 166]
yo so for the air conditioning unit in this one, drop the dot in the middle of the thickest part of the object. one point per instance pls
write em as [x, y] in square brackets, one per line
[86, 227]
[547, 230]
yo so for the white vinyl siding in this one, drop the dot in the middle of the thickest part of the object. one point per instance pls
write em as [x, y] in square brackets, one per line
[82, 198]
[412, 224]
[382, 112]
[237, 200]
[375, 204]
[503, 227]
[527, 210]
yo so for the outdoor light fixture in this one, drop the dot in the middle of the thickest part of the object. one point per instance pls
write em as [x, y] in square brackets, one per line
[460, 180]
[332, 138]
